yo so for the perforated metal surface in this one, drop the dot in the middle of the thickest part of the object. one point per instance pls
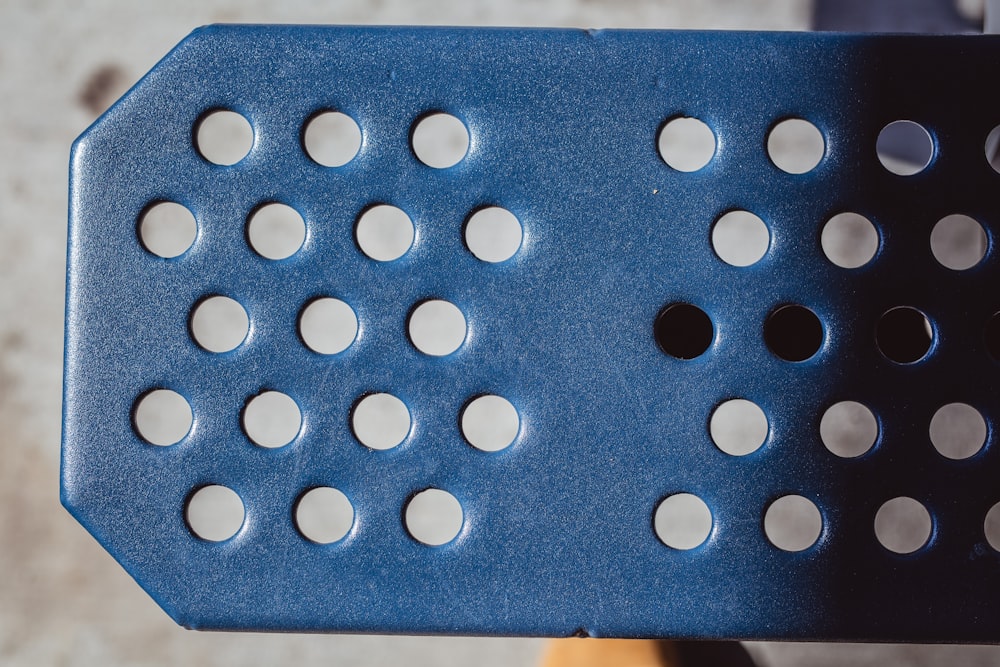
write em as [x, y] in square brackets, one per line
[558, 533]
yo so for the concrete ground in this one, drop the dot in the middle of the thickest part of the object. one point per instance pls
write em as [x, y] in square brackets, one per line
[63, 600]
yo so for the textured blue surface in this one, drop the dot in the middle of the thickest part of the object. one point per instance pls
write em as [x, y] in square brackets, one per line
[558, 533]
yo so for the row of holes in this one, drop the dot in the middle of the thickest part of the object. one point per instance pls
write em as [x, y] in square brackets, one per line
[796, 146]
[682, 521]
[848, 429]
[277, 231]
[794, 333]
[272, 419]
[793, 523]
[849, 240]
[491, 423]
[328, 326]
[323, 515]
[331, 138]
[440, 140]
[493, 234]
[438, 328]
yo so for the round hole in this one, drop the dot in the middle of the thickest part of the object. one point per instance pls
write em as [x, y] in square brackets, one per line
[167, 229]
[324, 515]
[331, 138]
[993, 148]
[958, 431]
[795, 146]
[849, 240]
[740, 238]
[738, 427]
[905, 148]
[380, 421]
[490, 423]
[683, 331]
[848, 429]
[272, 419]
[162, 417]
[493, 234]
[992, 336]
[991, 527]
[219, 324]
[958, 242]
[440, 140]
[328, 326]
[793, 523]
[276, 231]
[434, 517]
[437, 328]
[224, 137]
[686, 144]
[214, 513]
[904, 335]
[903, 525]
[682, 521]
[793, 333]
[384, 232]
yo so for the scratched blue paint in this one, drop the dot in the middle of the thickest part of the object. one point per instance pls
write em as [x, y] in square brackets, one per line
[558, 535]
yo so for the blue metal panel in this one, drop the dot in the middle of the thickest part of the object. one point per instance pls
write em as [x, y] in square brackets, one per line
[558, 534]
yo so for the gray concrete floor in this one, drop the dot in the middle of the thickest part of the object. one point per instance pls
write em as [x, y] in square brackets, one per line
[63, 600]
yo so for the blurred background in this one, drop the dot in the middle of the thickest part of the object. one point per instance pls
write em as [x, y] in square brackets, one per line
[63, 599]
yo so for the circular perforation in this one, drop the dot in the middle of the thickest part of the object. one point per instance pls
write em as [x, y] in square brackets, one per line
[434, 517]
[738, 427]
[904, 335]
[276, 231]
[490, 423]
[686, 144]
[384, 232]
[795, 146]
[440, 140]
[740, 238]
[380, 421]
[219, 324]
[437, 327]
[683, 331]
[223, 137]
[328, 325]
[324, 515]
[331, 138]
[903, 525]
[793, 523]
[272, 419]
[682, 521]
[214, 513]
[167, 229]
[904, 147]
[493, 234]
[162, 417]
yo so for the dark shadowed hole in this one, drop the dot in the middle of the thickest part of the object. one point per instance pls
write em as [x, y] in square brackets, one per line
[903, 335]
[793, 333]
[683, 331]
